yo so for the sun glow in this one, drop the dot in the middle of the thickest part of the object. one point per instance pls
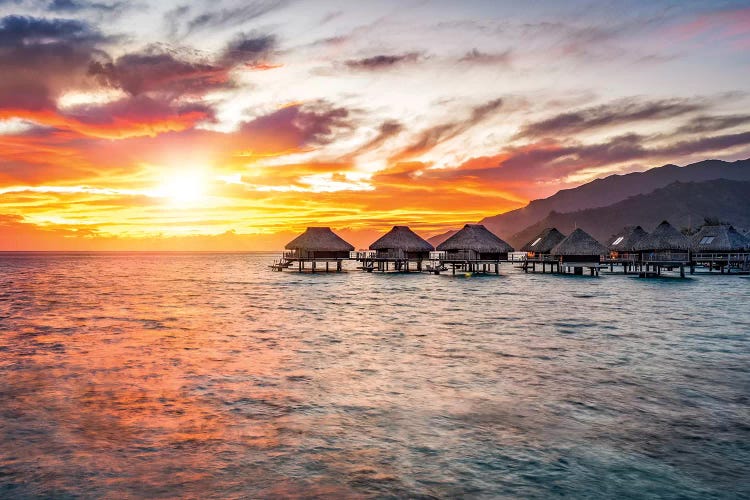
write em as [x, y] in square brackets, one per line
[187, 188]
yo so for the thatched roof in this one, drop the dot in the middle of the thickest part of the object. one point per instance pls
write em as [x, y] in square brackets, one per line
[664, 237]
[544, 241]
[402, 238]
[475, 237]
[627, 239]
[719, 239]
[579, 242]
[319, 239]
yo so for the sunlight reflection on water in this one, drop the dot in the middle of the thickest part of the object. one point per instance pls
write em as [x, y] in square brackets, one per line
[198, 375]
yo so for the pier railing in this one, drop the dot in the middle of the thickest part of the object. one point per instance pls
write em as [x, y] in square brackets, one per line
[517, 256]
[721, 256]
[666, 257]
[622, 257]
[362, 254]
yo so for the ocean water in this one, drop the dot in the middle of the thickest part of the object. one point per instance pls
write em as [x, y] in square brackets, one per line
[209, 376]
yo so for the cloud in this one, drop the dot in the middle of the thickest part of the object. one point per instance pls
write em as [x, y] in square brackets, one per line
[330, 17]
[182, 22]
[381, 62]
[386, 130]
[701, 124]
[549, 161]
[138, 113]
[730, 26]
[40, 58]
[297, 127]
[431, 137]
[251, 49]
[476, 56]
[543, 167]
[621, 112]
[158, 70]
[25, 30]
[154, 132]
[75, 6]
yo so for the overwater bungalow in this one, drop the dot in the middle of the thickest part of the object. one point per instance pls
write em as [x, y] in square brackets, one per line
[623, 243]
[665, 247]
[578, 250]
[664, 243]
[622, 247]
[316, 245]
[543, 243]
[538, 250]
[719, 239]
[721, 247]
[474, 248]
[398, 247]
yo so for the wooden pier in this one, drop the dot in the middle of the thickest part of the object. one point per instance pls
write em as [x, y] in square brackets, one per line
[543, 260]
[318, 249]
[399, 250]
[369, 262]
[471, 266]
[475, 250]
[311, 265]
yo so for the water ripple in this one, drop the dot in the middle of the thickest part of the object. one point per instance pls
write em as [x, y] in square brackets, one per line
[206, 375]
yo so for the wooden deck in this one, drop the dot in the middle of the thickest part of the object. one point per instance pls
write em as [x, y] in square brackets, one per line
[650, 266]
[308, 265]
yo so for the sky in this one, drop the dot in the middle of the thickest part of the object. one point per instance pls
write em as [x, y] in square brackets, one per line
[233, 125]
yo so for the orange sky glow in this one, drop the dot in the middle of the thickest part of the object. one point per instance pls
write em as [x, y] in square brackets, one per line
[170, 130]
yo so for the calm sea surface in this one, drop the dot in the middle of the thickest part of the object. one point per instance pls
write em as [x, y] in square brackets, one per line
[207, 375]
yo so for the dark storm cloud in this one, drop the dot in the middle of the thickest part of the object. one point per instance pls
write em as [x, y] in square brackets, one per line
[380, 62]
[620, 112]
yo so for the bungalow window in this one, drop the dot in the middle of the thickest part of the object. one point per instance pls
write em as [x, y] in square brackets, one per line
[536, 241]
[706, 240]
[618, 240]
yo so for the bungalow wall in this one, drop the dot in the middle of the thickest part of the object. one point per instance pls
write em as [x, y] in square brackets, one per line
[580, 258]
[399, 254]
[473, 255]
[317, 254]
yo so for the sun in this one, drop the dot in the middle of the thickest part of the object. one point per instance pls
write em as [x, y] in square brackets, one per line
[185, 188]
